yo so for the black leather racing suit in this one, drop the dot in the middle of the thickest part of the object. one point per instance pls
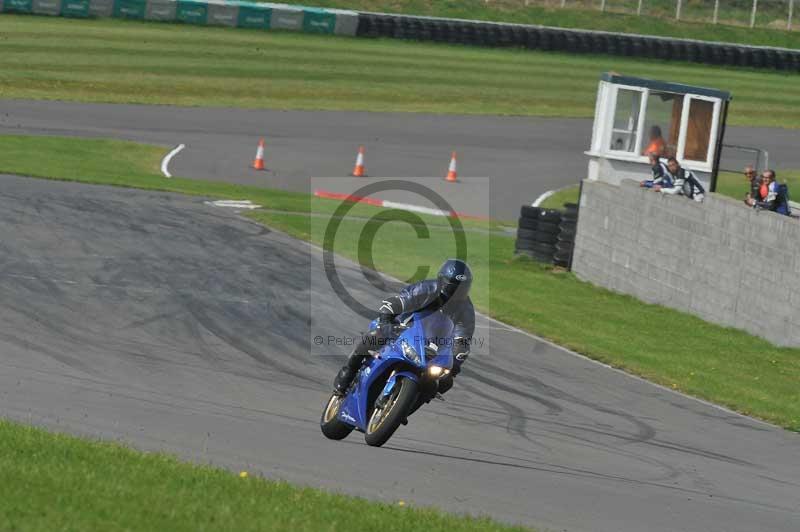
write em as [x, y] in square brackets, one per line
[423, 295]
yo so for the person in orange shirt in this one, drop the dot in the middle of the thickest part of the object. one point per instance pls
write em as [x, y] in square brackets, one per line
[657, 146]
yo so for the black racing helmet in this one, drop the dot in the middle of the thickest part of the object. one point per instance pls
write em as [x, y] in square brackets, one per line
[454, 279]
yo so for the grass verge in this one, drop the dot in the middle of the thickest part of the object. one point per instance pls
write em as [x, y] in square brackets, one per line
[120, 61]
[723, 365]
[561, 196]
[658, 17]
[65, 483]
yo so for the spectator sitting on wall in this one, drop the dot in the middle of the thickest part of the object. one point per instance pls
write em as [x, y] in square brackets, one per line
[755, 183]
[772, 196]
[683, 181]
[661, 175]
[657, 146]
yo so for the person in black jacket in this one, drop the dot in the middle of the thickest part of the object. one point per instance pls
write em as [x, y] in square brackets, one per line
[683, 181]
[449, 292]
[661, 175]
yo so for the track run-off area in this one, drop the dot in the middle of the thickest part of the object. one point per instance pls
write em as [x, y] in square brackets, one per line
[170, 324]
[523, 157]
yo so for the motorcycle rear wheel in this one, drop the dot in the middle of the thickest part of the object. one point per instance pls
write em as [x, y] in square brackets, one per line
[384, 421]
[330, 424]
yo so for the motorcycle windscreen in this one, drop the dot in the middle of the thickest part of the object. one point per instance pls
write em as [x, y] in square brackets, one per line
[434, 335]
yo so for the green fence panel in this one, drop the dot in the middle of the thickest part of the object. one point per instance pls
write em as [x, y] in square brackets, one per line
[18, 6]
[161, 10]
[223, 14]
[101, 8]
[129, 8]
[254, 16]
[318, 21]
[75, 8]
[47, 7]
[286, 18]
[191, 12]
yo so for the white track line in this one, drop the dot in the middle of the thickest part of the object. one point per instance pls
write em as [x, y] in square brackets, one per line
[543, 197]
[547, 194]
[165, 161]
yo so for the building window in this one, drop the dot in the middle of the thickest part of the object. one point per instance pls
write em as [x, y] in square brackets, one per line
[662, 124]
[698, 130]
[626, 120]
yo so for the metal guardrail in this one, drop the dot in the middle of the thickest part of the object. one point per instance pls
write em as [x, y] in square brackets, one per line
[735, 158]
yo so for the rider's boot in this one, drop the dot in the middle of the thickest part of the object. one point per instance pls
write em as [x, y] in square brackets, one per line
[343, 380]
[348, 372]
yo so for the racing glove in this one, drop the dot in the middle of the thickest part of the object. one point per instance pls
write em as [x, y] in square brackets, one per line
[391, 307]
[460, 353]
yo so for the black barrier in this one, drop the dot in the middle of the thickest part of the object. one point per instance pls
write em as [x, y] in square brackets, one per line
[426, 31]
[757, 59]
[664, 50]
[770, 59]
[532, 38]
[574, 41]
[640, 48]
[384, 27]
[599, 44]
[560, 40]
[518, 37]
[585, 41]
[731, 57]
[571, 43]
[677, 52]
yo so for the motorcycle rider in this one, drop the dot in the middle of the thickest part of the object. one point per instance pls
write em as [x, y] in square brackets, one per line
[448, 292]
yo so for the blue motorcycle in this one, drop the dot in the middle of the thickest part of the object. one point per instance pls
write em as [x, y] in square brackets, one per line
[402, 375]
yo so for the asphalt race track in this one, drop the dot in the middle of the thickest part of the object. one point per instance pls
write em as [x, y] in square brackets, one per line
[523, 156]
[174, 325]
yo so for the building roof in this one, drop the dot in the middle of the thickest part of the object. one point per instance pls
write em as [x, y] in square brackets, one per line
[666, 86]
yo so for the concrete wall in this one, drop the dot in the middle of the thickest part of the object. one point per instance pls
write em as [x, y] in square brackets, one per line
[719, 260]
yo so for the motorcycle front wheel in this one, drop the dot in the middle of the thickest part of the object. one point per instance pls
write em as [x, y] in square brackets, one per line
[385, 420]
[330, 424]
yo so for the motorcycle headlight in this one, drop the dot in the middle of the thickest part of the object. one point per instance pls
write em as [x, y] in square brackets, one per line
[437, 371]
[410, 353]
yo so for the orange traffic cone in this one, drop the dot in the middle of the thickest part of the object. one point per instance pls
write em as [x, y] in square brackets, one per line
[452, 174]
[258, 162]
[358, 170]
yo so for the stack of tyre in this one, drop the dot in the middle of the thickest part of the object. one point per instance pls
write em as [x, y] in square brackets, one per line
[537, 233]
[565, 242]
[547, 235]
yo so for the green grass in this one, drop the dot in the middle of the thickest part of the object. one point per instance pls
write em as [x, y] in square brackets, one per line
[122, 163]
[726, 366]
[562, 196]
[658, 16]
[57, 482]
[155, 63]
